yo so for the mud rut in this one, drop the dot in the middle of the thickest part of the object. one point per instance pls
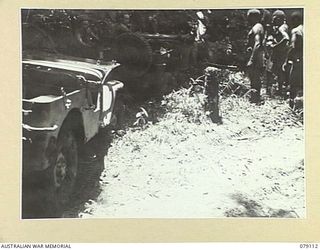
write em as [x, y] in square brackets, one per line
[99, 181]
[187, 167]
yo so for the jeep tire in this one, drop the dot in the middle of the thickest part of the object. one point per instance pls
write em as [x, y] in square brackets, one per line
[65, 170]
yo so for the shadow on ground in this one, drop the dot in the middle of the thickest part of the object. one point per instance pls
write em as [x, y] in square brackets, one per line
[37, 195]
[250, 208]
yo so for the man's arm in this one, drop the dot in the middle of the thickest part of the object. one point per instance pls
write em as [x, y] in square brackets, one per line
[292, 44]
[257, 44]
[291, 48]
[285, 37]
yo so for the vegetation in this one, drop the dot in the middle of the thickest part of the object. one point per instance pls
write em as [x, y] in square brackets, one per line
[250, 165]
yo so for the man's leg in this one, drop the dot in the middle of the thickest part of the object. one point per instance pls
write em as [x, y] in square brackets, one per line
[282, 81]
[254, 75]
[277, 70]
[185, 51]
[194, 54]
[279, 79]
[269, 82]
[296, 82]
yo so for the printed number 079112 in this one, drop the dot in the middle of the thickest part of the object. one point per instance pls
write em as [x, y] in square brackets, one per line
[307, 246]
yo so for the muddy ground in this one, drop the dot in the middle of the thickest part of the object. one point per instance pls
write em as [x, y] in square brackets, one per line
[178, 164]
[185, 166]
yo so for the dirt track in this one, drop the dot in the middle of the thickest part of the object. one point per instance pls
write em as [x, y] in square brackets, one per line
[251, 165]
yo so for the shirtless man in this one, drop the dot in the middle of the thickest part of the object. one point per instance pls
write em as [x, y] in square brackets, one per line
[295, 59]
[268, 42]
[280, 47]
[198, 52]
[255, 49]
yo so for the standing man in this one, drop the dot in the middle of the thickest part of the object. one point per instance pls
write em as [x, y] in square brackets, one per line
[280, 47]
[255, 49]
[198, 51]
[295, 59]
[268, 42]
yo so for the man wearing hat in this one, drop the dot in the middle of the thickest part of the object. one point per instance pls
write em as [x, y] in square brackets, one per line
[255, 63]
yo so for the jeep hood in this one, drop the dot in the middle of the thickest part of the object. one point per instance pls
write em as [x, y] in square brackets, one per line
[89, 67]
[46, 76]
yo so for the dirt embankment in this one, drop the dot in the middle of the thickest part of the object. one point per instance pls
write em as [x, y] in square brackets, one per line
[184, 166]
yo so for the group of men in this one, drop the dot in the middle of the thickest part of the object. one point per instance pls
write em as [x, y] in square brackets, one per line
[275, 50]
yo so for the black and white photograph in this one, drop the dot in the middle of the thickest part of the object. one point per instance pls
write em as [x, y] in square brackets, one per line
[162, 113]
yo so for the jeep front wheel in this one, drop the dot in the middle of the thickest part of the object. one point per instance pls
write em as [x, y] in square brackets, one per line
[64, 171]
